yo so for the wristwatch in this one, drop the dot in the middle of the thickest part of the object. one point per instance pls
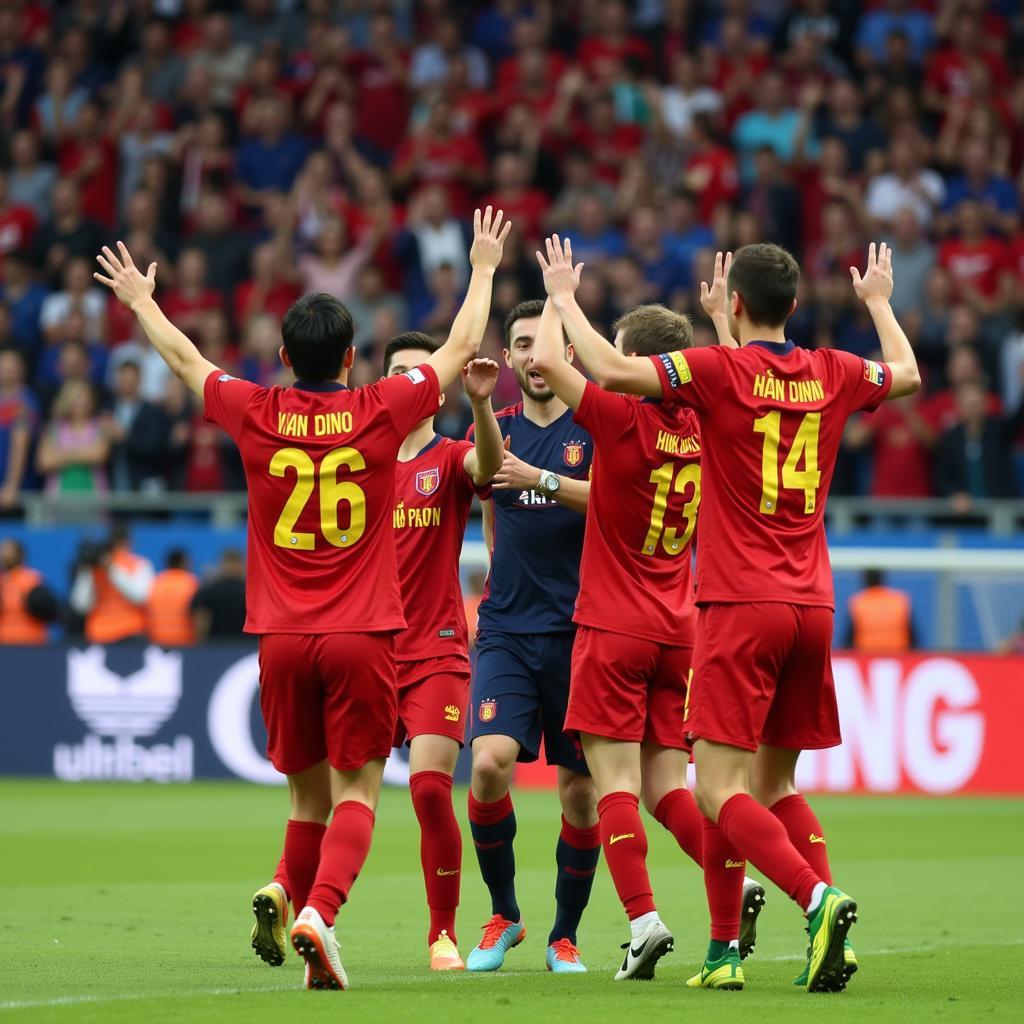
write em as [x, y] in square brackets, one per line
[549, 482]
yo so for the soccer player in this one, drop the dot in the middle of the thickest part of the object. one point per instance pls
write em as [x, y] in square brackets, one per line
[636, 619]
[323, 591]
[434, 486]
[524, 651]
[772, 416]
[435, 482]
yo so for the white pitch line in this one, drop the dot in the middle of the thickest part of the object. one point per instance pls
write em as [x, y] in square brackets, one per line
[125, 997]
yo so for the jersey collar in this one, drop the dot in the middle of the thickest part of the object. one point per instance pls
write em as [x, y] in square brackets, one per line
[432, 443]
[321, 387]
[780, 348]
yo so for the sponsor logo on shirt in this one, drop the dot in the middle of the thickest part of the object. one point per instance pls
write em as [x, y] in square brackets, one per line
[873, 373]
[224, 377]
[572, 454]
[488, 710]
[427, 481]
[416, 375]
[446, 634]
[676, 368]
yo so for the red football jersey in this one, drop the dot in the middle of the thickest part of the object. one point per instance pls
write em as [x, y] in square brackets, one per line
[635, 576]
[320, 468]
[771, 417]
[433, 496]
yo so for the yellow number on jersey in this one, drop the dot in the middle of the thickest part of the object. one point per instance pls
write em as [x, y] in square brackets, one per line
[689, 473]
[332, 493]
[805, 446]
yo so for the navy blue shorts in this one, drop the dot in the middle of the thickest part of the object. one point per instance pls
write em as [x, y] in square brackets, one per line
[521, 689]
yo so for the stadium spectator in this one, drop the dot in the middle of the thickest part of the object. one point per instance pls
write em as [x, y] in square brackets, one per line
[19, 415]
[773, 123]
[27, 605]
[900, 16]
[977, 262]
[69, 232]
[77, 296]
[110, 589]
[913, 258]
[218, 606]
[220, 57]
[333, 265]
[881, 619]
[226, 249]
[138, 433]
[17, 223]
[31, 179]
[161, 67]
[74, 445]
[904, 183]
[169, 608]
[973, 458]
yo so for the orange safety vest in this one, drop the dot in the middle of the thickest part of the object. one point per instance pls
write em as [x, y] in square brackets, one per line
[16, 625]
[170, 618]
[881, 621]
[113, 616]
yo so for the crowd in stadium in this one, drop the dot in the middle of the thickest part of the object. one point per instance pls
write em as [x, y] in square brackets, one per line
[267, 148]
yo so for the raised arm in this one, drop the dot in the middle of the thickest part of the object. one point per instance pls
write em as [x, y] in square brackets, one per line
[609, 367]
[471, 321]
[549, 360]
[874, 290]
[484, 459]
[136, 292]
[714, 299]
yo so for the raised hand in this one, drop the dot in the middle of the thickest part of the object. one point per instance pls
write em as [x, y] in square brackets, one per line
[124, 279]
[713, 297]
[561, 278]
[488, 239]
[479, 377]
[876, 284]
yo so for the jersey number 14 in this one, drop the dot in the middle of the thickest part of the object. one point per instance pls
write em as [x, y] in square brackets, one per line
[805, 446]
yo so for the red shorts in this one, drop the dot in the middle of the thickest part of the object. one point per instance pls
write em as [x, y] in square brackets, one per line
[628, 689]
[762, 673]
[329, 696]
[432, 698]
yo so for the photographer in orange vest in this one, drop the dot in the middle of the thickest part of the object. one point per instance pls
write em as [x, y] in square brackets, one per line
[170, 601]
[110, 589]
[27, 605]
[880, 618]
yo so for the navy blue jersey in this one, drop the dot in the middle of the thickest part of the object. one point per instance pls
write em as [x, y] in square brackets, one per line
[535, 566]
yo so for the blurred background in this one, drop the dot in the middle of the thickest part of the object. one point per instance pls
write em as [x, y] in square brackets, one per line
[265, 148]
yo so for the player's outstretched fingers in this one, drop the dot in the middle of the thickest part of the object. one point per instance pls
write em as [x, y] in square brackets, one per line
[477, 219]
[126, 256]
[504, 232]
[549, 245]
[872, 259]
[106, 265]
[497, 222]
[543, 262]
[115, 264]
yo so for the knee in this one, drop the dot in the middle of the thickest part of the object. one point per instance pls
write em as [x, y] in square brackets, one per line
[708, 800]
[579, 800]
[311, 807]
[492, 771]
[652, 792]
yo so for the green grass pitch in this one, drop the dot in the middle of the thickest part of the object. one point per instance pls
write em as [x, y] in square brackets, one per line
[132, 903]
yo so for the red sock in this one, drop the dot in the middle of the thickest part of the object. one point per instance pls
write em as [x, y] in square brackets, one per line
[342, 855]
[723, 880]
[440, 848]
[301, 858]
[759, 836]
[677, 811]
[805, 832]
[625, 851]
[281, 877]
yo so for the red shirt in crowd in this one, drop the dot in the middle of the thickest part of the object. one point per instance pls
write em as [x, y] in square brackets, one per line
[17, 226]
[902, 463]
[979, 264]
[596, 50]
[250, 299]
[382, 108]
[443, 162]
[712, 176]
[94, 164]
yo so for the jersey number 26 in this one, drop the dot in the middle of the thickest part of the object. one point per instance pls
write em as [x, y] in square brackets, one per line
[332, 494]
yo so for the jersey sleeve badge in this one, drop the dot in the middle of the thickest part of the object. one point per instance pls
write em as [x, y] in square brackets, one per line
[873, 373]
[677, 368]
[427, 481]
[416, 375]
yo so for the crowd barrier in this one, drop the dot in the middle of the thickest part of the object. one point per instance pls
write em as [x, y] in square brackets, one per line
[936, 724]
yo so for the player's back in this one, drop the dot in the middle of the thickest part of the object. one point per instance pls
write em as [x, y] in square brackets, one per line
[635, 576]
[772, 418]
[320, 467]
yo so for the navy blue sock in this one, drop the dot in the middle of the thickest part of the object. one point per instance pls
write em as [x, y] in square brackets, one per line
[576, 855]
[493, 827]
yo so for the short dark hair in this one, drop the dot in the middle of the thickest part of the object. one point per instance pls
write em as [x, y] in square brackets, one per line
[874, 578]
[766, 276]
[409, 339]
[652, 329]
[317, 332]
[177, 558]
[524, 310]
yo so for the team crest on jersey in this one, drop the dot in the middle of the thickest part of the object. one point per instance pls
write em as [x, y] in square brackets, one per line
[427, 481]
[488, 710]
[572, 454]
